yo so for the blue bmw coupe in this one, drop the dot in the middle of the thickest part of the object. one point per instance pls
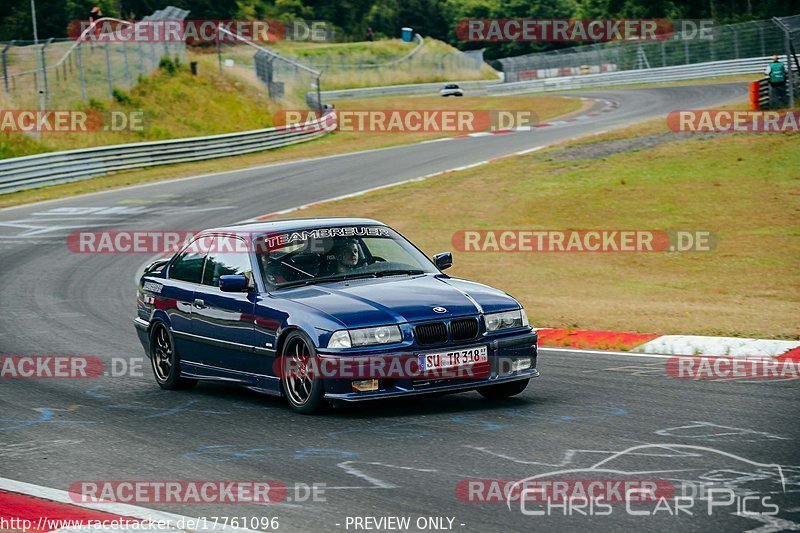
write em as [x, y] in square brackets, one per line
[328, 310]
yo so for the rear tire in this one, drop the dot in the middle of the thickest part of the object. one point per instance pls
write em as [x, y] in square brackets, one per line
[504, 390]
[305, 394]
[165, 361]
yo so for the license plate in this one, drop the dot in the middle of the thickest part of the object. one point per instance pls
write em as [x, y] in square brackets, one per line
[453, 359]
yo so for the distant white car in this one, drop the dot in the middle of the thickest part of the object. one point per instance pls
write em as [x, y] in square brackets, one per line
[451, 89]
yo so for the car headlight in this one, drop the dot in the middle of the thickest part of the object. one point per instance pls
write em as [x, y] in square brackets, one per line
[506, 320]
[351, 338]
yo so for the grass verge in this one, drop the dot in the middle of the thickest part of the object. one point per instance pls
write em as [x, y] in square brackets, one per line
[743, 188]
[174, 105]
[546, 107]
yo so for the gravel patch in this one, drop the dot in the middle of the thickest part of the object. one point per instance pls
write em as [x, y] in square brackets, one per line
[603, 149]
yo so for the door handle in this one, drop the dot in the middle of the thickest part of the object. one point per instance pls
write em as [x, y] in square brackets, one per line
[198, 303]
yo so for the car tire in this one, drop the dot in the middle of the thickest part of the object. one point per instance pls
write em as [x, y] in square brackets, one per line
[504, 390]
[305, 394]
[165, 361]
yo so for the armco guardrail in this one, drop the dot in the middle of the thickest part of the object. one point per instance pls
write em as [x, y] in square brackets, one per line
[754, 65]
[405, 90]
[60, 167]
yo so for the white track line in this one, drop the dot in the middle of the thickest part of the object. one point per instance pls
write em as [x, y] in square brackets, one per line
[235, 170]
[121, 509]
[577, 351]
[362, 192]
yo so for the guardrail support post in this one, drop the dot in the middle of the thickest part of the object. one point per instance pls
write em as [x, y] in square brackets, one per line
[5, 64]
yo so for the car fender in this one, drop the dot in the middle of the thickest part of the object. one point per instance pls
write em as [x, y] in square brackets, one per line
[303, 324]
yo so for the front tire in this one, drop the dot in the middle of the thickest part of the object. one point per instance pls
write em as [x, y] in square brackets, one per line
[504, 390]
[305, 394]
[165, 360]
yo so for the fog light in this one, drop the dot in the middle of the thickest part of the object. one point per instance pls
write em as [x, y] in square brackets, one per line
[520, 364]
[365, 385]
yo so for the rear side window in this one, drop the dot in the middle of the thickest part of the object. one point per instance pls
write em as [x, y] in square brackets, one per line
[188, 266]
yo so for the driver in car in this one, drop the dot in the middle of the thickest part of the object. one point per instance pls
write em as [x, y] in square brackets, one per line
[347, 256]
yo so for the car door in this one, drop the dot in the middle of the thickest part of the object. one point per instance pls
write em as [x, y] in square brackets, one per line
[177, 297]
[223, 322]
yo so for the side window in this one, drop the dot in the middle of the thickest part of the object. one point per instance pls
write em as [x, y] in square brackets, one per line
[188, 266]
[226, 264]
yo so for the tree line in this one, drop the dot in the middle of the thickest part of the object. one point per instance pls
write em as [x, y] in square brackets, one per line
[353, 18]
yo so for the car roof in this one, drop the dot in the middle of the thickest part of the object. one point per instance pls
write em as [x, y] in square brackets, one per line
[295, 224]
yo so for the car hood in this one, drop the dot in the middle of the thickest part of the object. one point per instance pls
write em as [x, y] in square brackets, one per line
[368, 302]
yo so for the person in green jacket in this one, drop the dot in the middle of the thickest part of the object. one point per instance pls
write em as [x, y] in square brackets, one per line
[777, 83]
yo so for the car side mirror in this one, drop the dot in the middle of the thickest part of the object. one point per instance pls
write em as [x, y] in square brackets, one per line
[233, 283]
[443, 260]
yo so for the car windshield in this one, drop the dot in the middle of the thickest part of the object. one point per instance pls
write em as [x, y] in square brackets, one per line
[319, 255]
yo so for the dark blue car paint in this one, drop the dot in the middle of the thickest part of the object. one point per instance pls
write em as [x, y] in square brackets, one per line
[235, 337]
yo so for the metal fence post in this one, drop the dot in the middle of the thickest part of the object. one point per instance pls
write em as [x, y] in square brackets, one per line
[787, 40]
[788, 44]
[79, 57]
[319, 96]
[44, 70]
[686, 49]
[219, 52]
[108, 71]
[127, 70]
[141, 57]
[5, 65]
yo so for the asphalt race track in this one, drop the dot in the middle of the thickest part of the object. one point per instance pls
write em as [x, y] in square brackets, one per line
[399, 458]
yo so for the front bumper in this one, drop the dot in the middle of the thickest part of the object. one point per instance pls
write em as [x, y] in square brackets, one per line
[500, 351]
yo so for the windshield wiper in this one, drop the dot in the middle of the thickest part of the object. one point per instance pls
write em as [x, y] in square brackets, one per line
[399, 271]
[325, 279]
[298, 283]
[345, 277]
